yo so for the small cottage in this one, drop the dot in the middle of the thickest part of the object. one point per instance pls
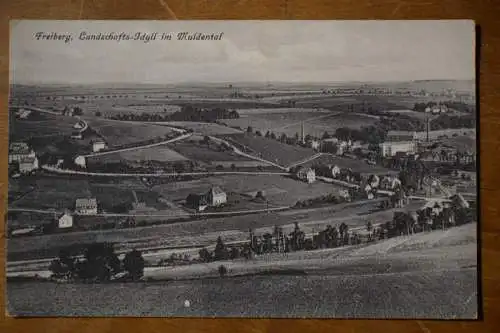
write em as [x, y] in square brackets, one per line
[65, 221]
[216, 196]
[86, 206]
[306, 174]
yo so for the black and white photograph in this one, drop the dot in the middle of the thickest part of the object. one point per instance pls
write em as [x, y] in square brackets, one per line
[254, 169]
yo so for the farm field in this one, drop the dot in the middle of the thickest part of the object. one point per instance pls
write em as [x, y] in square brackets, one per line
[52, 126]
[54, 192]
[196, 151]
[279, 190]
[160, 153]
[117, 133]
[315, 122]
[357, 165]
[269, 149]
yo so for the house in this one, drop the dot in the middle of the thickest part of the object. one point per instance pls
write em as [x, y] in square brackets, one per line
[459, 201]
[77, 135]
[216, 196]
[80, 161]
[374, 181]
[344, 194]
[435, 207]
[19, 151]
[65, 220]
[335, 171]
[389, 149]
[28, 164]
[78, 125]
[98, 146]
[23, 113]
[398, 136]
[306, 174]
[368, 192]
[315, 144]
[86, 206]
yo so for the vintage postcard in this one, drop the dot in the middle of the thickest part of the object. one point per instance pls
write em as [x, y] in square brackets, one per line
[300, 169]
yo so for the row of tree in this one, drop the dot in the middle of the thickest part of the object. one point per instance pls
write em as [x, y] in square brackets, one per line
[455, 105]
[187, 113]
[99, 264]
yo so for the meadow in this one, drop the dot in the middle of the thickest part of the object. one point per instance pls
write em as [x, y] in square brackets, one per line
[203, 128]
[270, 149]
[117, 133]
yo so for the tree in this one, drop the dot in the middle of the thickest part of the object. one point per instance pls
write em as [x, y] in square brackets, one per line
[222, 270]
[268, 134]
[220, 252]
[98, 113]
[343, 231]
[133, 263]
[233, 167]
[326, 136]
[258, 133]
[100, 262]
[249, 129]
[77, 111]
[205, 255]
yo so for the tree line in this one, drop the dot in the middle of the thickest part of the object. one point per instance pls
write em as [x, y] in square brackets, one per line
[187, 113]
[402, 223]
[99, 264]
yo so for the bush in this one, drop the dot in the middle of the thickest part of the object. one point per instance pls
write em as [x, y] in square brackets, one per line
[222, 270]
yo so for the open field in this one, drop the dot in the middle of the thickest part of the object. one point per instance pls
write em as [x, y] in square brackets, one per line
[205, 153]
[54, 192]
[51, 126]
[325, 283]
[269, 149]
[160, 153]
[315, 122]
[463, 143]
[118, 133]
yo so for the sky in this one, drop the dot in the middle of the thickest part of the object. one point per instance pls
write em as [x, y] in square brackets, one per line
[250, 51]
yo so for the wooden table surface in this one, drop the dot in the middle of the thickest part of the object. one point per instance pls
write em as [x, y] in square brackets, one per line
[485, 12]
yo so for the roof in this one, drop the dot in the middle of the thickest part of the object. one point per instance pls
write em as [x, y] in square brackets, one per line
[216, 190]
[19, 147]
[393, 133]
[86, 202]
[28, 159]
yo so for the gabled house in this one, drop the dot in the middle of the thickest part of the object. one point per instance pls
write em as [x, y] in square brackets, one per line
[65, 220]
[86, 206]
[306, 174]
[28, 164]
[335, 171]
[216, 196]
[19, 151]
[98, 146]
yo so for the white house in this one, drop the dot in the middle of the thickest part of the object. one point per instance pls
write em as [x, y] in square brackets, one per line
[345, 194]
[28, 164]
[315, 144]
[80, 160]
[65, 221]
[78, 125]
[86, 206]
[98, 146]
[335, 171]
[19, 151]
[388, 149]
[216, 196]
[306, 174]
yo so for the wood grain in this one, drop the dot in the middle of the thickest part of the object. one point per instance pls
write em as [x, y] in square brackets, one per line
[485, 12]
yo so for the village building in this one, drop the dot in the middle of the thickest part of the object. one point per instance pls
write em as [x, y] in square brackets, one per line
[315, 144]
[335, 170]
[23, 113]
[216, 196]
[344, 194]
[65, 220]
[77, 136]
[98, 146]
[389, 149]
[19, 151]
[80, 161]
[86, 206]
[28, 164]
[401, 136]
[78, 125]
[306, 174]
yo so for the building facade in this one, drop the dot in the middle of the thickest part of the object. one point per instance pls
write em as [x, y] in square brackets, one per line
[389, 149]
[216, 196]
[306, 174]
[65, 221]
[98, 146]
[86, 206]
[19, 151]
